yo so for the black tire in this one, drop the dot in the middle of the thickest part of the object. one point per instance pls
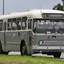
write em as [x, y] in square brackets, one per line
[23, 49]
[0, 48]
[57, 54]
[6, 53]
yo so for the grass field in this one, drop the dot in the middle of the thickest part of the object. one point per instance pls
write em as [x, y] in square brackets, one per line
[9, 59]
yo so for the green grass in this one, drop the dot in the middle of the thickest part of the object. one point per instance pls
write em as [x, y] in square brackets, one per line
[9, 59]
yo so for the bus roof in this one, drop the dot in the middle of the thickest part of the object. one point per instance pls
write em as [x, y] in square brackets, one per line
[36, 13]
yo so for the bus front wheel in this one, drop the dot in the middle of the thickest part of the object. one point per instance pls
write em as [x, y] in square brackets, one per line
[57, 54]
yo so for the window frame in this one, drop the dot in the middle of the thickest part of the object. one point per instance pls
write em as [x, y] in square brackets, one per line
[19, 27]
[2, 26]
[29, 24]
[25, 23]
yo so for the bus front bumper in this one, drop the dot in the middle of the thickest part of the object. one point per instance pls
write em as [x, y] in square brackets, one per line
[39, 49]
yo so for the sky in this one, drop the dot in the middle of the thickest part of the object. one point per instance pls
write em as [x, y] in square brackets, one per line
[23, 5]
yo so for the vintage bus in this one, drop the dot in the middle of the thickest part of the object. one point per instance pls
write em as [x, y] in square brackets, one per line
[33, 31]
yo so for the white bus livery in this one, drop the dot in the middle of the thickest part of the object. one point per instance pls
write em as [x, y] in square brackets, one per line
[33, 31]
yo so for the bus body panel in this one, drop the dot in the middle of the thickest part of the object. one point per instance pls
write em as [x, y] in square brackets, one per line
[14, 38]
[2, 40]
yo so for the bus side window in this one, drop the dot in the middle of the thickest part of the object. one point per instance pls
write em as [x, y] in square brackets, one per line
[18, 23]
[14, 24]
[9, 24]
[29, 23]
[24, 24]
[1, 25]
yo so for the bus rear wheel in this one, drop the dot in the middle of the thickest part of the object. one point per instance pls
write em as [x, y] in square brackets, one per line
[23, 49]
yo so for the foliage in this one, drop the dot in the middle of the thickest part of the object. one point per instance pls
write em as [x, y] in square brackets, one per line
[62, 0]
[59, 6]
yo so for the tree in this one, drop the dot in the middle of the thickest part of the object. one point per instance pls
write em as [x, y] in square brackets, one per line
[58, 7]
[63, 4]
[62, 0]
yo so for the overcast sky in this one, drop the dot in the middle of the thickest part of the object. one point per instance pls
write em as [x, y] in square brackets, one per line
[23, 5]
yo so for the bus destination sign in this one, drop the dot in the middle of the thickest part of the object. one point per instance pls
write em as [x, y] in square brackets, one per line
[52, 15]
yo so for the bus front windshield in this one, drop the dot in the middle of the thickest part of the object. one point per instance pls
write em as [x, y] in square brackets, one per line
[51, 26]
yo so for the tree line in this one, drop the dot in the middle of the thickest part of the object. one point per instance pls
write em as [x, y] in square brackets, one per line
[59, 6]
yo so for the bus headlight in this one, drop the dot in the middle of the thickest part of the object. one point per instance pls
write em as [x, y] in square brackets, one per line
[41, 42]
